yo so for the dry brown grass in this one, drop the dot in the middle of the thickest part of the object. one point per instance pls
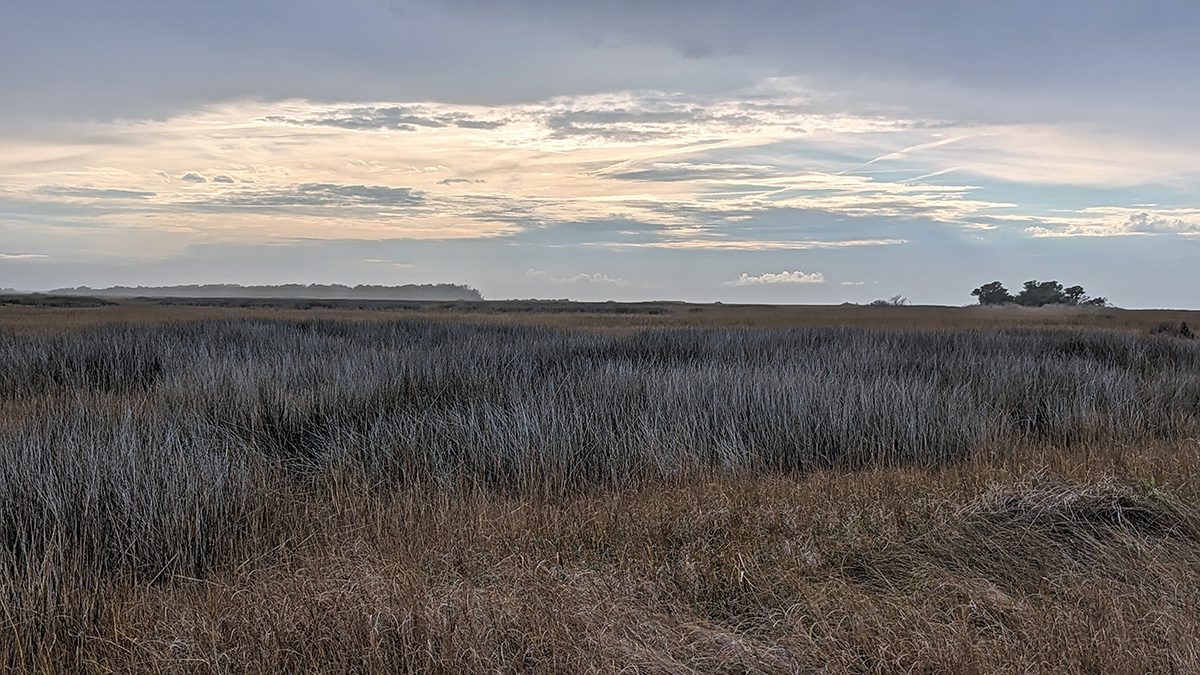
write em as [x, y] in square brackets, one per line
[1077, 557]
[620, 317]
[1045, 561]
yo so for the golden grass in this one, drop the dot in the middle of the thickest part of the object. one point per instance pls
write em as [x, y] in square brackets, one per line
[1012, 559]
[1048, 561]
[26, 319]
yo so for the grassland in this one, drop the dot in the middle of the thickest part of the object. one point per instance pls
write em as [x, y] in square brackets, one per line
[545, 487]
[50, 314]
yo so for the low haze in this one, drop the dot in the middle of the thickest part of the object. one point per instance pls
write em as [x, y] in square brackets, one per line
[768, 152]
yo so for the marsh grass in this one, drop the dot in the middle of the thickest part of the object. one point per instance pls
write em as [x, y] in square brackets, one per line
[339, 495]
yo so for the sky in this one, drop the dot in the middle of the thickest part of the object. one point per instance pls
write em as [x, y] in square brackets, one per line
[757, 151]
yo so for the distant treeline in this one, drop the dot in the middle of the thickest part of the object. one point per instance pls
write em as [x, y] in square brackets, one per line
[441, 292]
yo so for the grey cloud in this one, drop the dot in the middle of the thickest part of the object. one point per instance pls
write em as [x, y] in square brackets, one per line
[390, 118]
[460, 181]
[563, 126]
[628, 116]
[223, 179]
[1020, 59]
[1068, 55]
[60, 213]
[498, 208]
[670, 110]
[684, 171]
[653, 119]
[316, 195]
[193, 178]
[92, 193]
[479, 124]
[401, 118]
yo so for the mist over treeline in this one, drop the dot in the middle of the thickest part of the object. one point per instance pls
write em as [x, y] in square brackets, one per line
[324, 291]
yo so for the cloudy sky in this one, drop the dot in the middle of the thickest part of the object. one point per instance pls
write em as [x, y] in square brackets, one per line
[803, 152]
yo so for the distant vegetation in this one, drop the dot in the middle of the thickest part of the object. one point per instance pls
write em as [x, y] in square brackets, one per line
[44, 300]
[438, 292]
[1036, 293]
[894, 301]
[467, 306]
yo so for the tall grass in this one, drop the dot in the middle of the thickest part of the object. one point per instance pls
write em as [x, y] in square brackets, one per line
[164, 451]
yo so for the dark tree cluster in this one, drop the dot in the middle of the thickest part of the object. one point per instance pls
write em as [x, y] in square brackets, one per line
[1036, 293]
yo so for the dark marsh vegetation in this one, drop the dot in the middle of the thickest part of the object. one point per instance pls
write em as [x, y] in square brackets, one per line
[435, 487]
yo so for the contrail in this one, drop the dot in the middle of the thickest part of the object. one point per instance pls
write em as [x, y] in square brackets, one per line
[931, 175]
[905, 151]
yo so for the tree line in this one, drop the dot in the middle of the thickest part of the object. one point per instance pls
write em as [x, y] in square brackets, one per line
[438, 292]
[1036, 293]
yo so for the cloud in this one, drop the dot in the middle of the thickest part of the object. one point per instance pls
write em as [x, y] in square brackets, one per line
[384, 117]
[903, 152]
[387, 263]
[479, 124]
[323, 195]
[595, 278]
[93, 193]
[22, 256]
[758, 245]
[295, 159]
[1159, 224]
[853, 283]
[1110, 221]
[1010, 58]
[656, 118]
[796, 277]
[688, 171]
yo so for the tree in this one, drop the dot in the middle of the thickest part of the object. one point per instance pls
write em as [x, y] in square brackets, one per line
[993, 293]
[894, 301]
[1074, 295]
[1038, 293]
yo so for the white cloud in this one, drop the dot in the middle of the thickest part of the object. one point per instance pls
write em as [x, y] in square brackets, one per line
[1113, 221]
[1160, 224]
[684, 170]
[796, 277]
[387, 263]
[582, 278]
[21, 256]
[700, 244]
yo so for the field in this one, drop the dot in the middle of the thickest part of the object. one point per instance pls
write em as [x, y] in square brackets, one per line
[356, 486]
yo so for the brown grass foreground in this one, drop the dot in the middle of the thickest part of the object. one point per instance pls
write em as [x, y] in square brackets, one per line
[1041, 561]
[1076, 550]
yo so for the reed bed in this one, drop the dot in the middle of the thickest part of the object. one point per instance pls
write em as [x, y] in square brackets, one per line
[259, 495]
